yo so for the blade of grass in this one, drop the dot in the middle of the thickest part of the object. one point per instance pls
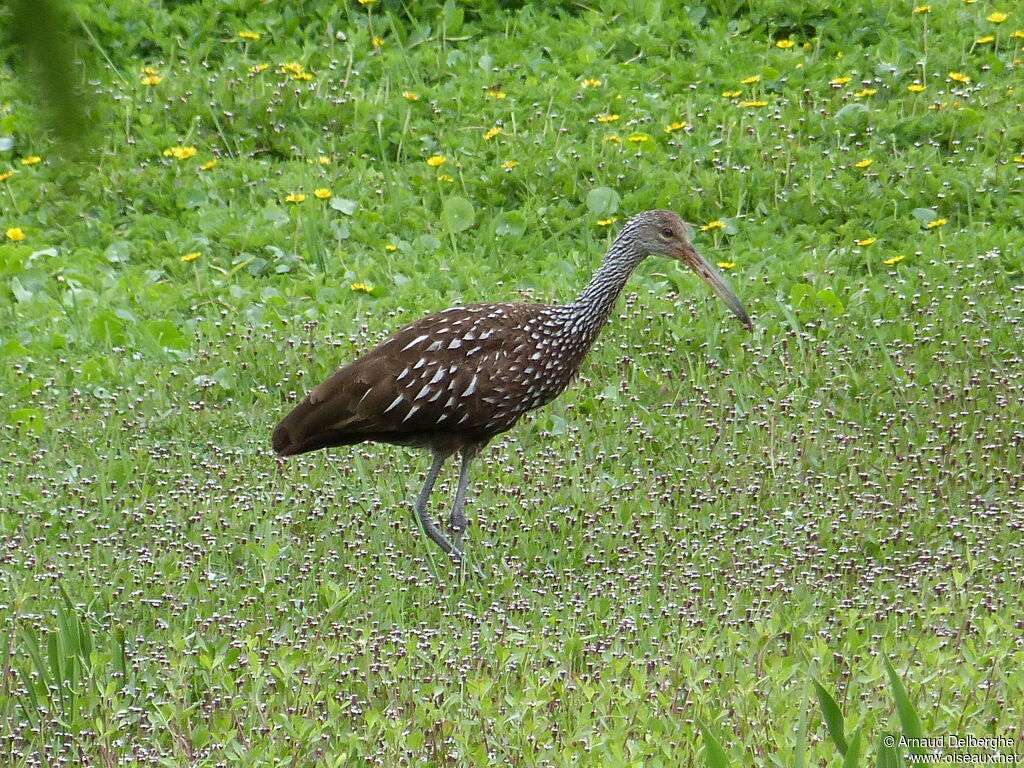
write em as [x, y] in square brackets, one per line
[832, 716]
[800, 749]
[714, 754]
[887, 757]
[851, 757]
[910, 723]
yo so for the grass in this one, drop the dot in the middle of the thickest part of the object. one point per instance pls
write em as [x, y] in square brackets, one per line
[719, 548]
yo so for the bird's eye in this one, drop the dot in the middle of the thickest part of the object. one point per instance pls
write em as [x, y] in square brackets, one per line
[667, 233]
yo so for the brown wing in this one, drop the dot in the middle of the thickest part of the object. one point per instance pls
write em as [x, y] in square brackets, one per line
[440, 374]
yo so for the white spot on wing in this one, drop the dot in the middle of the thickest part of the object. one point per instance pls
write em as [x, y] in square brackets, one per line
[410, 413]
[394, 402]
[423, 392]
[414, 342]
[471, 388]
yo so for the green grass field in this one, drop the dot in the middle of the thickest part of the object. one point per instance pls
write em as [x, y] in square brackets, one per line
[718, 548]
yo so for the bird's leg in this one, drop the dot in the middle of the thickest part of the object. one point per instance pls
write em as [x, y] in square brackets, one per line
[457, 519]
[423, 518]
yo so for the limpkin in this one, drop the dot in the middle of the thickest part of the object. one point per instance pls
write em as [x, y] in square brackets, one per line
[453, 380]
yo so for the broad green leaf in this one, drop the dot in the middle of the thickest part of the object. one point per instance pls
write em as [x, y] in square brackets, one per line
[348, 207]
[166, 334]
[602, 201]
[457, 214]
[31, 419]
[827, 299]
[799, 294]
[510, 223]
[20, 292]
[924, 215]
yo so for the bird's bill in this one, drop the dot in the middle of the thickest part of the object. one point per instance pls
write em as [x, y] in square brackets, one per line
[691, 258]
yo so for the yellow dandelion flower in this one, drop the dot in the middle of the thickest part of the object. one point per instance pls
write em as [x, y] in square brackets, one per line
[151, 80]
[1017, 159]
[716, 224]
[970, 2]
[191, 256]
[613, 139]
[1018, 33]
[959, 77]
[180, 153]
[32, 160]
[6, 175]
[923, 9]
[302, 76]
[915, 88]
[784, 44]
[492, 133]
[367, 2]
[607, 222]
[726, 264]
[508, 165]
[839, 80]
[894, 260]
[750, 80]
[607, 118]
[361, 287]
[292, 67]
[591, 82]
[937, 223]
[208, 165]
[638, 138]
[865, 92]
[377, 42]
[493, 93]
[731, 94]
[866, 241]
[257, 68]
[436, 161]
[673, 127]
[391, 248]
[323, 159]
[15, 234]
[150, 71]
[997, 17]
[247, 35]
[322, 193]
[410, 96]
[295, 197]
[447, 178]
[757, 103]
[864, 163]
[986, 39]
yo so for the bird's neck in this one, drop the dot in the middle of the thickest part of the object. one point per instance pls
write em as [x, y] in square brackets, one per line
[591, 309]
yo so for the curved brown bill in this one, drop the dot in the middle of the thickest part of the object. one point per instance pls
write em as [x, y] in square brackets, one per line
[691, 258]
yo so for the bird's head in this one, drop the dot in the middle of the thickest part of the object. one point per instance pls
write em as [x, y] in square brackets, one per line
[665, 234]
